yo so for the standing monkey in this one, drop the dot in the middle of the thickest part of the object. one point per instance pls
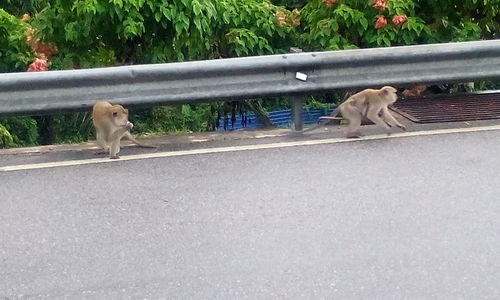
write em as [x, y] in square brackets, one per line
[111, 125]
[369, 103]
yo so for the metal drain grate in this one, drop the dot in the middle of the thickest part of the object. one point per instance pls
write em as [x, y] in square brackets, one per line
[450, 108]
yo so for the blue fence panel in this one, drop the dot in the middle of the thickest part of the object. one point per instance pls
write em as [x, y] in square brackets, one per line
[280, 118]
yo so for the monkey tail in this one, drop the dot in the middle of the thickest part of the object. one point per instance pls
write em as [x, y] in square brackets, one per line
[332, 116]
[147, 146]
[129, 136]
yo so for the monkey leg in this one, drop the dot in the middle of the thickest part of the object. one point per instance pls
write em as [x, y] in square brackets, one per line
[354, 117]
[115, 142]
[101, 142]
[115, 149]
[375, 118]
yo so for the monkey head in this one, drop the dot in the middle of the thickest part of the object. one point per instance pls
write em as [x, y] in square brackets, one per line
[118, 116]
[389, 93]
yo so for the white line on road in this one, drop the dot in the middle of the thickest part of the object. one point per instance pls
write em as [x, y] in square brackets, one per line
[242, 148]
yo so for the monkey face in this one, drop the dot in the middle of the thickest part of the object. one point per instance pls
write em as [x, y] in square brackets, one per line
[391, 93]
[393, 96]
[118, 115]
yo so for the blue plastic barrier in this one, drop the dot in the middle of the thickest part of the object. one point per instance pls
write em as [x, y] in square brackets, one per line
[280, 118]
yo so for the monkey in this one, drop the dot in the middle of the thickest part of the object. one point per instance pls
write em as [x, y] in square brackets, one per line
[111, 124]
[416, 91]
[371, 104]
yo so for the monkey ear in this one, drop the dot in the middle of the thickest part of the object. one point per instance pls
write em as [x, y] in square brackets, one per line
[386, 90]
[390, 89]
[383, 92]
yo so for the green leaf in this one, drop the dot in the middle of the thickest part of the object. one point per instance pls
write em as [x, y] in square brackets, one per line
[118, 3]
[157, 16]
[364, 23]
[197, 23]
[387, 42]
[225, 17]
[179, 27]
[167, 13]
[196, 8]
[119, 13]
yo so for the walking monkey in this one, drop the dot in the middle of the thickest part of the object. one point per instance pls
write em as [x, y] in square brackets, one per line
[370, 103]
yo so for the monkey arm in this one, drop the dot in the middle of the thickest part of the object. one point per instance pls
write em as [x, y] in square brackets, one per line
[390, 120]
[118, 133]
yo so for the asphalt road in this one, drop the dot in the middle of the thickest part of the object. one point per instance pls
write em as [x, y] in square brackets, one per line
[415, 218]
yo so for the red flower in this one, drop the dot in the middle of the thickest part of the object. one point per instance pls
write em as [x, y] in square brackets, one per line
[40, 48]
[380, 23]
[329, 3]
[380, 4]
[38, 65]
[398, 20]
[280, 17]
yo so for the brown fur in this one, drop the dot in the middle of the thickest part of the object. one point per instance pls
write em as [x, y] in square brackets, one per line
[111, 124]
[371, 104]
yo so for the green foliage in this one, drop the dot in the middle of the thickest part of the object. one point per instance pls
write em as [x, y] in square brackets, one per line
[100, 57]
[252, 28]
[151, 31]
[314, 103]
[172, 118]
[244, 42]
[351, 23]
[275, 103]
[15, 55]
[135, 30]
[290, 4]
[64, 128]
[6, 139]
[18, 131]
[20, 7]
[454, 20]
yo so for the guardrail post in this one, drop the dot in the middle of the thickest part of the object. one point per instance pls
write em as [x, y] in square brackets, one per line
[297, 102]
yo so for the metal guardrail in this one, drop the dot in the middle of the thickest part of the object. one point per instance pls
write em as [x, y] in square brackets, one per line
[248, 77]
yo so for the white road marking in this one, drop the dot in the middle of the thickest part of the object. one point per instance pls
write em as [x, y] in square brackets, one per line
[268, 135]
[243, 148]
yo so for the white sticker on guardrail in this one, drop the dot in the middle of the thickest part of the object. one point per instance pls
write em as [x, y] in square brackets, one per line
[301, 76]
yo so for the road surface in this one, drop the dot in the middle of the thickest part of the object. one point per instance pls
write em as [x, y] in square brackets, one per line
[413, 217]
